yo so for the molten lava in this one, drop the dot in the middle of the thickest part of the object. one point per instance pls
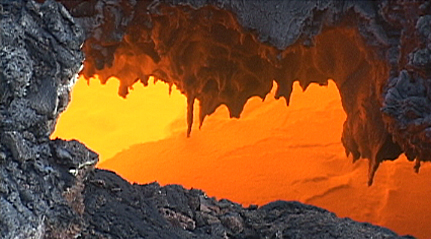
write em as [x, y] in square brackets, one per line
[271, 153]
[108, 124]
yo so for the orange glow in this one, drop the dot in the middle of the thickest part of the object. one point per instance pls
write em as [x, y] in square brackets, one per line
[107, 123]
[251, 160]
[272, 152]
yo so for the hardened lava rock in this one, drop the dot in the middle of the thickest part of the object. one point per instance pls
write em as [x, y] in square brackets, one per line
[40, 56]
[407, 107]
[225, 52]
[117, 209]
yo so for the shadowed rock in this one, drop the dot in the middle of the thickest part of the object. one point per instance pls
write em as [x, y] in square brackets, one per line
[116, 209]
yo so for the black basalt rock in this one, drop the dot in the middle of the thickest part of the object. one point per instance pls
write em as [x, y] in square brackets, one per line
[117, 209]
[40, 57]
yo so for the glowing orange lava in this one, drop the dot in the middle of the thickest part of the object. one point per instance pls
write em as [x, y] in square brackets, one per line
[271, 153]
[108, 124]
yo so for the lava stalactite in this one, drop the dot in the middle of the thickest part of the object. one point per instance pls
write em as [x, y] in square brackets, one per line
[226, 53]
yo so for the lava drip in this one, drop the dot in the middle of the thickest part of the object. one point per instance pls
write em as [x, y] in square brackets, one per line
[223, 54]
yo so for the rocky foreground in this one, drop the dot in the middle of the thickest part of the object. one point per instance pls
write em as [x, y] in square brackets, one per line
[61, 195]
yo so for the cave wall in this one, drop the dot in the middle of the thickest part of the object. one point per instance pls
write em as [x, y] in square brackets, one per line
[225, 52]
[40, 180]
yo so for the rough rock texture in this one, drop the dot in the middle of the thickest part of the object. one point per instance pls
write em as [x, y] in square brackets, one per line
[225, 52]
[49, 189]
[40, 58]
[116, 209]
[40, 180]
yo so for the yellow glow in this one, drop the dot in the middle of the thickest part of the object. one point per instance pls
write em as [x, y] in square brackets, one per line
[108, 124]
[250, 159]
[290, 153]
[273, 152]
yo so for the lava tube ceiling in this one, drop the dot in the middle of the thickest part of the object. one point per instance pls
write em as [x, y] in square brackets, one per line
[272, 153]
